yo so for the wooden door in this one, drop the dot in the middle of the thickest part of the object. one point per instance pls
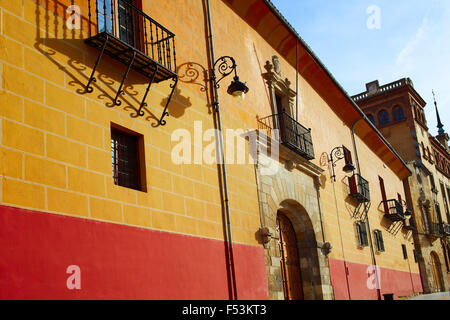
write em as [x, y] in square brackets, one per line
[290, 262]
[437, 274]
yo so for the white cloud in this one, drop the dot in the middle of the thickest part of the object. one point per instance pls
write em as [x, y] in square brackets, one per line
[405, 58]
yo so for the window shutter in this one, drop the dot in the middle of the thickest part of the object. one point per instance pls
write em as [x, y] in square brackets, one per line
[358, 233]
[405, 253]
[377, 240]
[347, 155]
[365, 241]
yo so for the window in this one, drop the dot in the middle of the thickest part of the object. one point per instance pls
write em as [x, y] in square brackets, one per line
[361, 231]
[104, 16]
[448, 199]
[279, 102]
[398, 113]
[446, 257]
[405, 252]
[127, 154]
[379, 243]
[444, 197]
[372, 119]
[424, 151]
[383, 117]
[119, 17]
[432, 184]
[429, 155]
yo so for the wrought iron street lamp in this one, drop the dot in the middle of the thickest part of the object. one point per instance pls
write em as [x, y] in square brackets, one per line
[337, 154]
[225, 66]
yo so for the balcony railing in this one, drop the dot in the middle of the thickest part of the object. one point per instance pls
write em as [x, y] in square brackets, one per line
[127, 27]
[394, 210]
[125, 33]
[359, 188]
[436, 229]
[292, 134]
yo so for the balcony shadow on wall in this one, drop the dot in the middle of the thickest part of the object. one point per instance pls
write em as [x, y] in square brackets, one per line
[391, 227]
[191, 73]
[70, 43]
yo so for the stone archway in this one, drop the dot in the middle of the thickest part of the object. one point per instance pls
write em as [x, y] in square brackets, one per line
[293, 189]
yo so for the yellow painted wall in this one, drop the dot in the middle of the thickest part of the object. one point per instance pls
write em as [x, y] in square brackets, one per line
[56, 139]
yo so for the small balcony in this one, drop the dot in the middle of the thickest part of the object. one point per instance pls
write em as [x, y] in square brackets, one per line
[446, 228]
[121, 30]
[436, 229]
[293, 135]
[394, 210]
[359, 188]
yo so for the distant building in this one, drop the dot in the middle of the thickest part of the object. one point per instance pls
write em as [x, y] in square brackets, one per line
[397, 110]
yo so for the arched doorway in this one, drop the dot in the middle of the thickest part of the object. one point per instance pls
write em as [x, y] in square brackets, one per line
[290, 262]
[438, 283]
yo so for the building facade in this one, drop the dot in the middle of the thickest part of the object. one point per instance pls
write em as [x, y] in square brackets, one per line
[397, 110]
[112, 179]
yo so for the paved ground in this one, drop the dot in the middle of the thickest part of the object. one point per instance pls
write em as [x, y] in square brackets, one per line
[434, 296]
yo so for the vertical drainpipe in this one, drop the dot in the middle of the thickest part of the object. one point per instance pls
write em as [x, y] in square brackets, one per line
[215, 104]
[374, 260]
[296, 79]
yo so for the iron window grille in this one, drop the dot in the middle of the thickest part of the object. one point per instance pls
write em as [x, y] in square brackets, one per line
[361, 231]
[126, 169]
[379, 242]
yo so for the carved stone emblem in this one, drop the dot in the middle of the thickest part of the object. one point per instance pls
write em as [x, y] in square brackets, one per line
[276, 64]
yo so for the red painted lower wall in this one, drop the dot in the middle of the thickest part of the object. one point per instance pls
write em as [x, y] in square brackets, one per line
[354, 285]
[117, 261]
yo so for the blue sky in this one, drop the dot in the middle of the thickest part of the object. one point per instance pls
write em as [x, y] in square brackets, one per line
[413, 41]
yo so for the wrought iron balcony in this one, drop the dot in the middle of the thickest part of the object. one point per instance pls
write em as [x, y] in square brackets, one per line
[125, 33]
[436, 229]
[293, 135]
[394, 210]
[446, 227]
[359, 188]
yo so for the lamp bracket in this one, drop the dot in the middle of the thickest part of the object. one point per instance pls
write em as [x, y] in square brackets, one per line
[335, 155]
[225, 66]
